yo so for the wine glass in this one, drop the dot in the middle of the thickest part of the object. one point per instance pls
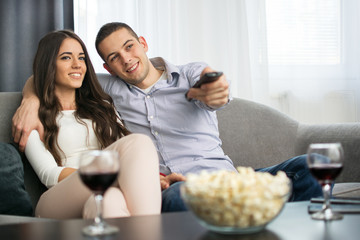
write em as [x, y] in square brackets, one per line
[325, 161]
[98, 171]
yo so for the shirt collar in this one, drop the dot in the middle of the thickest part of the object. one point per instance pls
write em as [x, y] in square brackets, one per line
[162, 64]
[159, 63]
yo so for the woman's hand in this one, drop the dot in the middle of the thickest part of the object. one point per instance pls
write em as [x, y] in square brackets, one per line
[66, 172]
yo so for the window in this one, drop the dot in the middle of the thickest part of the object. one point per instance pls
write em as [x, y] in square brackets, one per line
[303, 32]
[299, 56]
[311, 56]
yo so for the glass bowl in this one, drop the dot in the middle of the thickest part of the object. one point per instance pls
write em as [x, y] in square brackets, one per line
[230, 210]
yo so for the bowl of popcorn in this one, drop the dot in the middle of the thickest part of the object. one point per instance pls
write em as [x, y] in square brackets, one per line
[236, 203]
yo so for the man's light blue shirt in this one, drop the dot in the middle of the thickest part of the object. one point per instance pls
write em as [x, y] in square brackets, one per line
[184, 132]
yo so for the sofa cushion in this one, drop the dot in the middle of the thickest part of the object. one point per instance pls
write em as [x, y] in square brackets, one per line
[14, 200]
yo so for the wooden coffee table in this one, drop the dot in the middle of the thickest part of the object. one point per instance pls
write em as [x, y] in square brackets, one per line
[294, 222]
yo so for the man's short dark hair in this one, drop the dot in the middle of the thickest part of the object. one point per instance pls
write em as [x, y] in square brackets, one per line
[108, 29]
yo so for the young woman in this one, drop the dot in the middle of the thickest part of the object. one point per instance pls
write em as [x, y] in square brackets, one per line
[78, 116]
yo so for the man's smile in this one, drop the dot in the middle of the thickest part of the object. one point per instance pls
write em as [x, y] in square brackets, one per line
[132, 68]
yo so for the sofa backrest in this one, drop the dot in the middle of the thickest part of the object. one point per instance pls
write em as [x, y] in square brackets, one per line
[9, 102]
[256, 135]
[348, 134]
[252, 134]
[259, 136]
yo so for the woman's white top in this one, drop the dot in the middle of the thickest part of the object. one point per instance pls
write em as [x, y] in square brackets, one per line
[74, 138]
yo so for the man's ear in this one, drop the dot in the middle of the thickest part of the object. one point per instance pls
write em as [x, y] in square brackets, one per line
[108, 69]
[143, 42]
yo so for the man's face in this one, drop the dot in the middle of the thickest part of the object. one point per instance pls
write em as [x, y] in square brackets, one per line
[126, 56]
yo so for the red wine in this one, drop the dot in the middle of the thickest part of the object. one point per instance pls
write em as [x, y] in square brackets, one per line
[98, 182]
[326, 172]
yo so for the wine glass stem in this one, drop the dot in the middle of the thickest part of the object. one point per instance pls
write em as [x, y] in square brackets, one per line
[327, 195]
[98, 219]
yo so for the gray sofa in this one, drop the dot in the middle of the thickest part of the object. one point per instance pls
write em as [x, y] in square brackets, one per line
[253, 135]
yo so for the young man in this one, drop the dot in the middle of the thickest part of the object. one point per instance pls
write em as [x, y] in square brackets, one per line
[149, 94]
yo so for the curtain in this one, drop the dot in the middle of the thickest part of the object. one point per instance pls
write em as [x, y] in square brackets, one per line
[180, 31]
[23, 24]
[249, 42]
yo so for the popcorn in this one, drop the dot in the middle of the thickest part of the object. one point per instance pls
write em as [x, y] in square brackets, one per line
[243, 199]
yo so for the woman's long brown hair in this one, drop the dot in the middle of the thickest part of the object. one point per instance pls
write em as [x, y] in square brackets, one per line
[91, 101]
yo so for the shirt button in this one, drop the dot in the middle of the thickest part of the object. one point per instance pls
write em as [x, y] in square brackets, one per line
[151, 117]
[156, 133]
[147, 96]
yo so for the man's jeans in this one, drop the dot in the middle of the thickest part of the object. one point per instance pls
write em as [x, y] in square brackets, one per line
[304, 185]
[171, 199]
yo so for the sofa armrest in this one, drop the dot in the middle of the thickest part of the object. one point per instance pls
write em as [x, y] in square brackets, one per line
[348, 134]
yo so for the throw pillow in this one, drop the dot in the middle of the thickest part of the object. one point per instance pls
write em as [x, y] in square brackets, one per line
[14, 200]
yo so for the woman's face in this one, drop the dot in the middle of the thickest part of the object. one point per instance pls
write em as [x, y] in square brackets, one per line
[70, 66]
